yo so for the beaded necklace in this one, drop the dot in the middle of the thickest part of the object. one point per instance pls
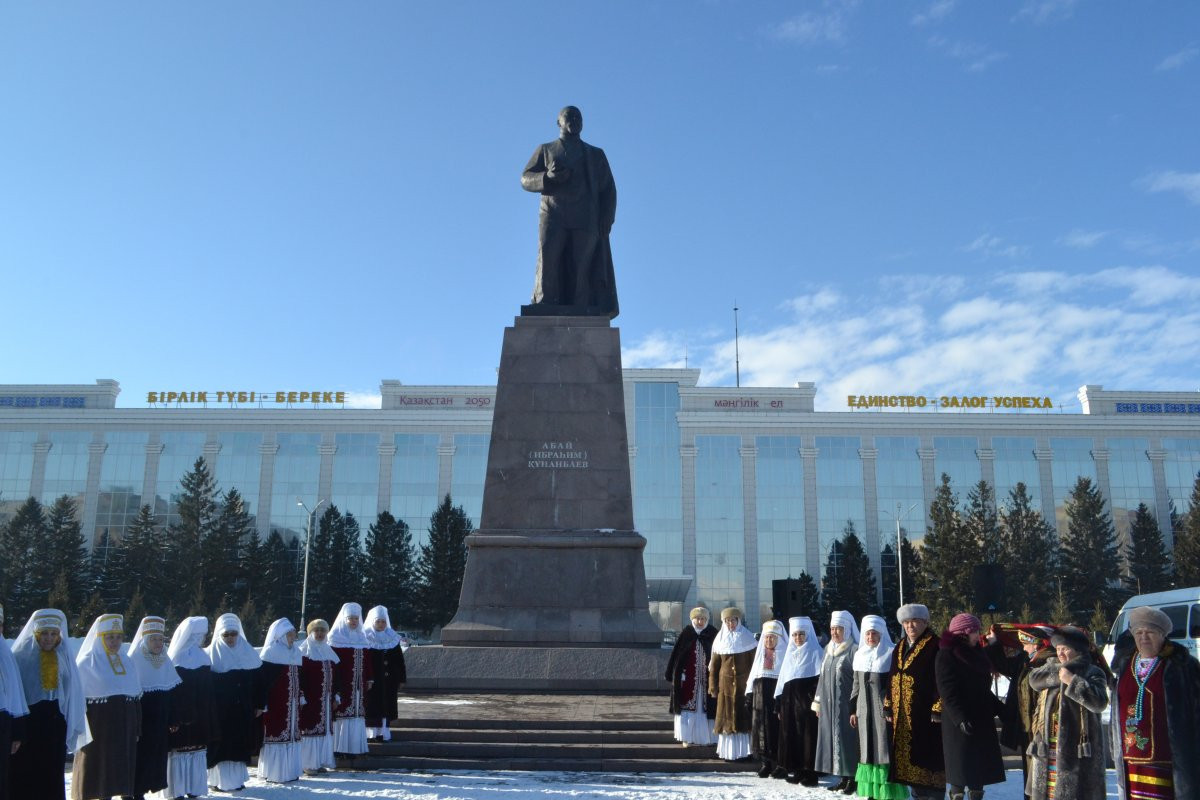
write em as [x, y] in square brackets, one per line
[1141, 669]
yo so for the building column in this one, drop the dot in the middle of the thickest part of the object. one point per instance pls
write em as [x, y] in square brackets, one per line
[37, 481]
[387, 452]
[687, 477]
[445, 451]
[91, 496]
[929, 477]
[1045, 461]
[266, 484]
[1162, 500]
[987, 470]
[872, 542]
[749, 454]
[812, 526]
[150, 473]
[327, 448]
[1104, 484]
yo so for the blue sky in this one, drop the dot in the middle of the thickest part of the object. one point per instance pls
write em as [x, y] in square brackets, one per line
[928, 198]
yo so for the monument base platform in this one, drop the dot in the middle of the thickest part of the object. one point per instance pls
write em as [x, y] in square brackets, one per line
[537, 669]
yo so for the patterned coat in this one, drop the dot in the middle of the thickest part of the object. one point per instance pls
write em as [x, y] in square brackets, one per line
[912, 701]
[687, 665]
[1079, 752]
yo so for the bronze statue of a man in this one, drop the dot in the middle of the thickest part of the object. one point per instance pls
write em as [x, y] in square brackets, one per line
[579, 203]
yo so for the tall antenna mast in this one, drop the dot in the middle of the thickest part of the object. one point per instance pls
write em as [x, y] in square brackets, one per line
[737, 358]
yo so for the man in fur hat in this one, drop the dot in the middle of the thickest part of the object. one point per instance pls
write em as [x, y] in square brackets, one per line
[1015, 650]
[911, 705]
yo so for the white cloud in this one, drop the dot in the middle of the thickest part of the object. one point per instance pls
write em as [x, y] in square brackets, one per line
[364, 400]
[1177, 60]
[936, 12]
[974, 56]
[830, 25]
[1187, 183]
[1081, 239]
[989, 246]
[658, 350]
[1041, 12]
[1031, 332]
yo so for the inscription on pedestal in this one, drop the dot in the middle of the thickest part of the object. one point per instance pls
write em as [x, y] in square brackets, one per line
[557, 455]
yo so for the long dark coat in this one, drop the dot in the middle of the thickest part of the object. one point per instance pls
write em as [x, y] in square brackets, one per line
[798, 726]
[727, 682]
[681, 661]
[916, 752]
[1080, 769]
[389, 671]
[158, 716]
[1181, 685]
[964, 681]
[236, 694]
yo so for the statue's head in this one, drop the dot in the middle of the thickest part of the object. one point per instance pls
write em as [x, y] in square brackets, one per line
[570, 121]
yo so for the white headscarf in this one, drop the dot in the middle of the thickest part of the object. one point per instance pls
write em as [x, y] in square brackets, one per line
[104, 674]
[155, 672]
[846, 620]
[12, 693]
[728, 642]
[225, 658]
[318, 651]
[340, 635]
[186, 650]
[803, 661]
[385, 639]
[275, 649]
[759, 670]
[69, 692]
[879, 657]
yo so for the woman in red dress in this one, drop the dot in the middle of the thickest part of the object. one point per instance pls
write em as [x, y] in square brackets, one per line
[279, 761]
[317, 685]
[352, 679]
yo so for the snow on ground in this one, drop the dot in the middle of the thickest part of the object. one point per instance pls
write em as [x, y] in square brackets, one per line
[469, 785]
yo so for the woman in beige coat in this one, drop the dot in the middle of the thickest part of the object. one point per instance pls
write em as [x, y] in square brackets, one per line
[729, 667]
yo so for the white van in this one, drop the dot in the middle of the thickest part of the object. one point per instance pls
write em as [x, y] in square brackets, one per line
[1181, 605]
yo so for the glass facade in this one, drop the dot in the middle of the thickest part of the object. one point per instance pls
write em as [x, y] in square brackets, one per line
[122, 475]
[1072, 461]
[1182, 466]
[66, 467]
[239, 466]
[415, 482]
[1130, 480]
[720, 523]
[297, 476]
[16, 470]
[1015, 463]
[355, 487]
[840, 498]
[179, 453]
[779, 472]
[657, 477]
[468, 472]
[957, 457]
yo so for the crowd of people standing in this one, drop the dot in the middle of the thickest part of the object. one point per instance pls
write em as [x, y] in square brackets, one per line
[918, 717]
[183, 719]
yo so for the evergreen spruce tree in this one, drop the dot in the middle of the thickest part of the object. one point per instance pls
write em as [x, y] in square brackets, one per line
[18, 584]
[1060, 609]
[221, 553]
[198, 511]
[107, 574]
[1186, 555]
[136, 563]
[854, 586]
[388, 568]
[64, 554]
[92, 608]
[809, 598]
[440, 569]
[335, 579]
[322, 592]
[1090, 563]
[831, 583]
[135, 611]
[979, 522]
[1029, 553]
[910, 564]
[1149, 565]
[254, 566]
[279, 582]
[948, 554]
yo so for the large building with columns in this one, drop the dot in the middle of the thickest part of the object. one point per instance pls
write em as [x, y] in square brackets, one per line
[733, 487]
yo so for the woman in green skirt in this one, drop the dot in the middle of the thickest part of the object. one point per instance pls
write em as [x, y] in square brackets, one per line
[872, 663]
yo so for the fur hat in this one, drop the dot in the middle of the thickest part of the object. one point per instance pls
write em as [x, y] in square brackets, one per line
[964, 624]
[316, 623]
[912, 611]
[732, 611]
[698, 612]
[1149, 617]
[1073, 638]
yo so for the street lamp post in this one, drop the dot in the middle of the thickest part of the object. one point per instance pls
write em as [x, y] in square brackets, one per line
[307, 549]
[899, 550]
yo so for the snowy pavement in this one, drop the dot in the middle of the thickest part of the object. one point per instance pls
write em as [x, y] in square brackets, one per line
[463, 785]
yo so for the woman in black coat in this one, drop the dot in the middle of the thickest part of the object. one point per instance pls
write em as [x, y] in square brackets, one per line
[969, 709]
[687, 670]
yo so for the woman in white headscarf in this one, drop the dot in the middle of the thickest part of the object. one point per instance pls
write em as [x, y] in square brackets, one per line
[57, 722]
[195, 707]
[239, 701]
[837, 741]
[158, 680]
[794, 695]
[13, 709]
[760, 687]
[387, 668]
[872, 668]
[353, 677]
[728, 668]
[279, 761]
[317, 685]
[106, 766]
